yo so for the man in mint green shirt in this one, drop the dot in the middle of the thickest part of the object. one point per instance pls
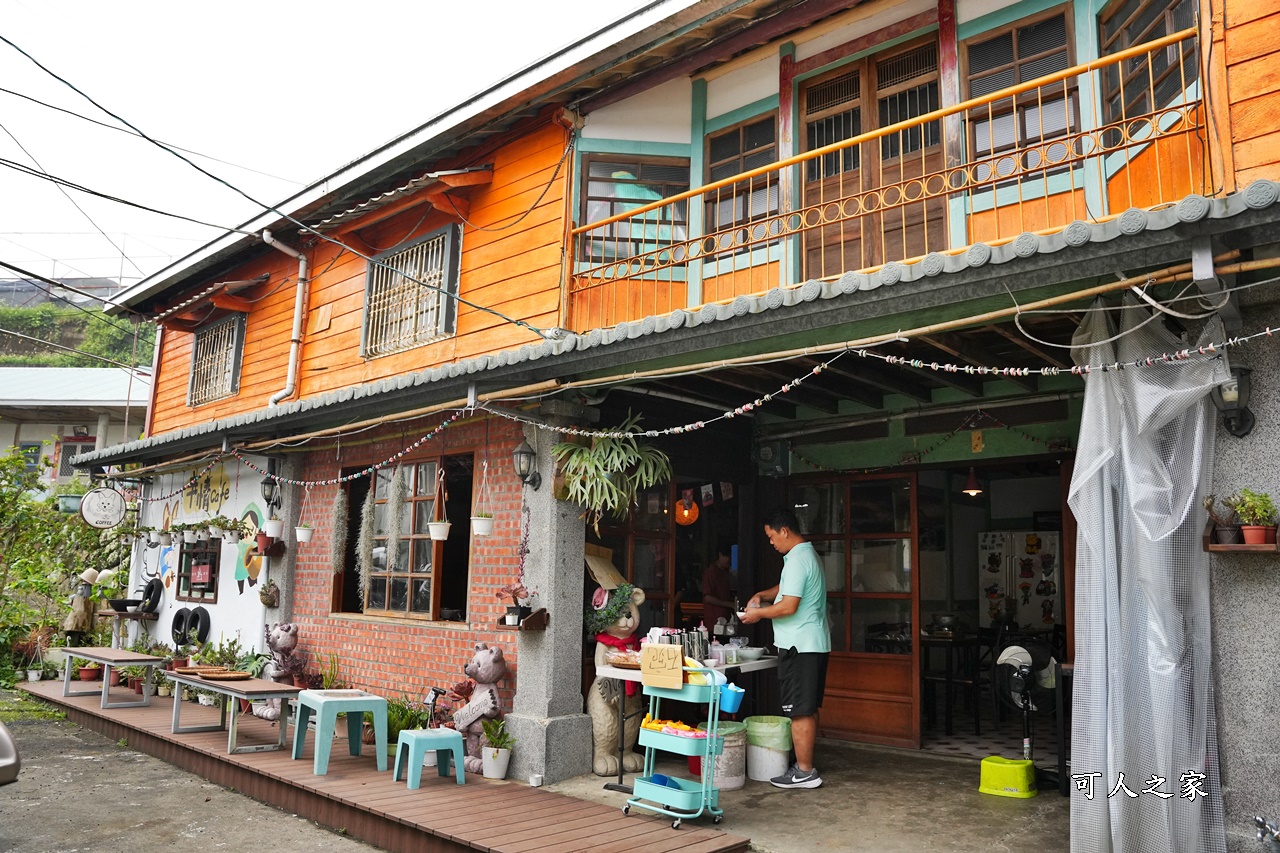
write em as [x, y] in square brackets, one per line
[798, 608]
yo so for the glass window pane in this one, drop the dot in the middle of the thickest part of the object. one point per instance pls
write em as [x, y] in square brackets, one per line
[421, 595]
[403, 554]
[380, 519]
[831, 556]
[382, 479]
[880, 506]
[881, 565]
[425, 479]
[380, 555]
[650, 564]
[378, 594]
[423, 550]
[881, 626]
[837, 617]
[399, 594]
[819, 507]
[654, 511]
[423, 514]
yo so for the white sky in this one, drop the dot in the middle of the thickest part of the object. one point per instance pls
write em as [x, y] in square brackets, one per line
[289, 88]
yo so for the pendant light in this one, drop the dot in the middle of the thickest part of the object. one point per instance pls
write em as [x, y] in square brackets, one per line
[972, 487]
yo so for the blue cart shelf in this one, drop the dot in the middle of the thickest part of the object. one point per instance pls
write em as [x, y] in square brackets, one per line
[673, 796]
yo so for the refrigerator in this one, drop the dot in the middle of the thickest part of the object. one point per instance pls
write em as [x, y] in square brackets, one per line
[1020, 575]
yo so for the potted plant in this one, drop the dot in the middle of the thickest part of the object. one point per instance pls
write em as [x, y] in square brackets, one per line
[482, 523]
[163, 537]
[605, 474]
[50, 670]
[269, 594]
[303, 531]
[1226, 523]
[90, 671]
[1257, 517]
[482, 517]
[252, 663]
[163, 686]
[496, 754]
[231, 529]
[439, 526]
[273, 526]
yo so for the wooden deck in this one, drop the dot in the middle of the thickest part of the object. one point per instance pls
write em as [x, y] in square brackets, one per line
[483, 814]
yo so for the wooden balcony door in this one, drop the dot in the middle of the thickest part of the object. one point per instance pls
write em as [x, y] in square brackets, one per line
[865, 205]
[864, 529]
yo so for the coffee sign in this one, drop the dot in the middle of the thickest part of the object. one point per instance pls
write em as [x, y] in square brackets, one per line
[102, 508]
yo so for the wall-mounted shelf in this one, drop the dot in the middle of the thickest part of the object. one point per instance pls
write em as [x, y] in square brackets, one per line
[1216, 548]
[535, 621]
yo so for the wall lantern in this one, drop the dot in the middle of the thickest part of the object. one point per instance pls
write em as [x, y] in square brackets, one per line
[271, 489]
[1232, 399]
[526, 460]
[972, 487]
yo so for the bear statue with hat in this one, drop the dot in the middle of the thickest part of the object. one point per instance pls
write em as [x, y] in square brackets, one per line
[613, 619]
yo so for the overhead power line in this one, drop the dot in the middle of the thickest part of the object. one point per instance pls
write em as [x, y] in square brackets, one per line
[52, 345]
[126, 130]
[38, 277]
[74, 203]
[270, 208]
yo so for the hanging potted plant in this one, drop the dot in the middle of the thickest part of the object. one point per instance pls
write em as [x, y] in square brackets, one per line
[1257, 517]
[518, 591]
[496, 754]
[605, 474]
[163, 537]
[482, 517]
[303, 531]
[273, 527]
[439, 527]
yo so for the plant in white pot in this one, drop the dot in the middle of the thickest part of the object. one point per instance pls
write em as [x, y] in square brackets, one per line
[273, 527]
[495, 755]
[482, 517]
[440, 524]
[303, 531]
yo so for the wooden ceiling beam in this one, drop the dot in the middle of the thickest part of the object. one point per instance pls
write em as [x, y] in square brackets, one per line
[1027, 345]
[970, 353]
[876, 377]
[227, 302]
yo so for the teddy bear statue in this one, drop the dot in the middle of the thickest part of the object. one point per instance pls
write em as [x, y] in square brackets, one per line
[486, 668]
[282, 640]
[613, 619]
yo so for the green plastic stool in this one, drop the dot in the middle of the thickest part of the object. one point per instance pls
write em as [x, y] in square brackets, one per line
[446, 743]
[327, 705]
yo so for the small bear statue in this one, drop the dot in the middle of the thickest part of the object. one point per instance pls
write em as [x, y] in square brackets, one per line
[613, 620]
[486, 668]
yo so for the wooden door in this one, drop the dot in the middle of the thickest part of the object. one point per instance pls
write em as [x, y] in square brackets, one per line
[870, 204]
[864, 530]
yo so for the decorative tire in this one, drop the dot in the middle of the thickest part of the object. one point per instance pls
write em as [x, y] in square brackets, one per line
[200, 622]
[181, 625]
[152, 596]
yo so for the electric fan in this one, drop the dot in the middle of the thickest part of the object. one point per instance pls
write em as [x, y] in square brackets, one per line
[1023, 677]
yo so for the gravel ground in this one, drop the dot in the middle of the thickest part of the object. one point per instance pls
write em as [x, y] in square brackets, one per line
[79, 791]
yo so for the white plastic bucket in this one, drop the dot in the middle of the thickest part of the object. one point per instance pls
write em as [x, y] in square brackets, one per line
[764, 763]
[731, 763]
[768, 747]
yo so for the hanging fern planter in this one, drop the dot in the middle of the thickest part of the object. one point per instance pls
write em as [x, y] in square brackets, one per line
[605, 475]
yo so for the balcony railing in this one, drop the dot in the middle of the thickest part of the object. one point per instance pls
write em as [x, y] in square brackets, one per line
[1086, 142]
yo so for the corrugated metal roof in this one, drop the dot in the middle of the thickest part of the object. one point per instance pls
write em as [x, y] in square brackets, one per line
[73, 386]
[1260, 195]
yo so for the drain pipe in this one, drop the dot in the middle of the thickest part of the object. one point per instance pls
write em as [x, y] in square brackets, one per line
[299, 308]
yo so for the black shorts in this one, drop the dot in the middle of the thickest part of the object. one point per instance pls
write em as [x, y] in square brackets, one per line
[802, 679]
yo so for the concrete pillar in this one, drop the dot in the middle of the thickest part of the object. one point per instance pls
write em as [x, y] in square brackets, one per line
[100, 438]
[553, 734]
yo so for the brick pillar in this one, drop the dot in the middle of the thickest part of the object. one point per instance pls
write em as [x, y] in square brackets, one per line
[553, 734]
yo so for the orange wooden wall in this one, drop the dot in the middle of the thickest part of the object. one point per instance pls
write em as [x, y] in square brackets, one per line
[513, 268]
[1010, 220]
[1169, 170]
[1252, 58]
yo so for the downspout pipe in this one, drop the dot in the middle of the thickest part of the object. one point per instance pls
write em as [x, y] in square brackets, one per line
[299, 309]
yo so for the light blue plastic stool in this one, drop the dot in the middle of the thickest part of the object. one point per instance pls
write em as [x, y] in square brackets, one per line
[327, 705]
[413, 745]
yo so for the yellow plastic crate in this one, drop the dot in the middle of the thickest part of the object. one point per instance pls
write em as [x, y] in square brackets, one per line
[1007, 777]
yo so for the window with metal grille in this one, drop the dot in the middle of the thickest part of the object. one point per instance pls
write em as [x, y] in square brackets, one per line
[1146, 82]
[1023, 53]
[198, 571]
[616, 185]
[837, 127]
[904, 96]
[409, 299]
[67, 451]
[215, 361]
[731, 152]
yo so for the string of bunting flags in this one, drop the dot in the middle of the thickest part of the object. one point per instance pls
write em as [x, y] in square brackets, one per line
[1212, 350]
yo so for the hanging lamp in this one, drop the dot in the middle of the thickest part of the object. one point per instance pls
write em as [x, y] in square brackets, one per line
[972, 487]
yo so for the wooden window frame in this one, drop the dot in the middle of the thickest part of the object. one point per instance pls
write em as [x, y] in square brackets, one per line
[712, 223]
[1136, 68]
[235, 353]
[627, 530]
[612, 231]
[187, 555]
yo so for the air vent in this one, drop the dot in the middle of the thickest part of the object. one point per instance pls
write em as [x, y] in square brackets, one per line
[907, 66]
[844, 89]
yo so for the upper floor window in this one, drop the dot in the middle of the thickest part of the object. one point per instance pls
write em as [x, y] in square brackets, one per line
[731, 152]
[1023, 123]
[1145, 82]
[619, 183]
[215, 361]
[409, 298]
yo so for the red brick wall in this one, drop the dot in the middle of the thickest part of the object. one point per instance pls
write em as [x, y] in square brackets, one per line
[395, 656]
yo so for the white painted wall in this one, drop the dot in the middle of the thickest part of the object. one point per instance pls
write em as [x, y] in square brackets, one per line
[234, 493]
[969, 10]
[741, 86]
[12, 434]
[857, 23]
[660, 114]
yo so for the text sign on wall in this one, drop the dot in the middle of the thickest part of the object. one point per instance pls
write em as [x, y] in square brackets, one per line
[201, 573]
[662, 666]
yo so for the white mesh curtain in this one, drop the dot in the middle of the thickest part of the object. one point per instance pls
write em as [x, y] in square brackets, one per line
[1143, 700]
